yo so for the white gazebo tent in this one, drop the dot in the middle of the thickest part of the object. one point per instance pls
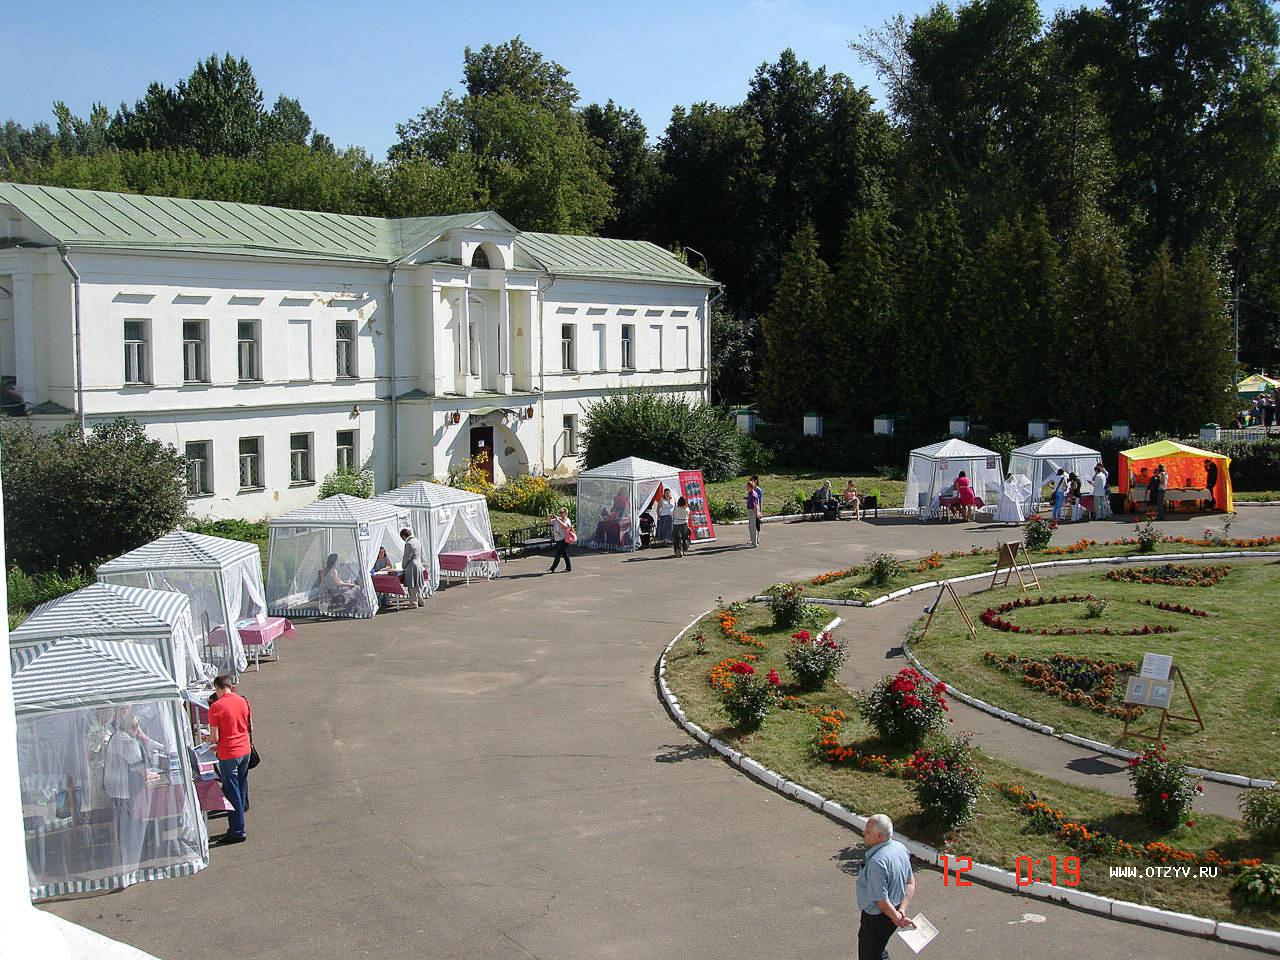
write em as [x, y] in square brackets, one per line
[94, 820]
[1039, 462]
[222, 579]
[446, 520]
[934, 468]
[612, 497]
[109, 611]
[303, 539]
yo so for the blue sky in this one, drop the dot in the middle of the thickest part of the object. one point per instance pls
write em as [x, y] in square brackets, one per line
[358, 69]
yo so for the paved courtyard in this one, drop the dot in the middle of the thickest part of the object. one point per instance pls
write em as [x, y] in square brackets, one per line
[493, 777]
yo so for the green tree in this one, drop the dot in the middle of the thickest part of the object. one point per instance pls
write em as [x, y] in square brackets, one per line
[732, 356]
[633, 168]
[863, 307]
[665, 429]
[535, 161]
[794, 335]
[72, 503]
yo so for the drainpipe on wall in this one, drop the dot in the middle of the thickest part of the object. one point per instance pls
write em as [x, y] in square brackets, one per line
[64, 252]
[542, 368]
[391, 322]
[706, 356]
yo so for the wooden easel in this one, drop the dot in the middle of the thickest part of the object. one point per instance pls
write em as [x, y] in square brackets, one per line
[948, 590]
[1165, 715]
[1008, 562]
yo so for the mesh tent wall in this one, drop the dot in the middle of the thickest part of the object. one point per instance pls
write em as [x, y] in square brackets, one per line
[101, 809]
[1184, 465]
[222, 579]
[109, 611]
[1039, 462]
[612, 497]
[932, 469]
[445, 519]
[302, 540]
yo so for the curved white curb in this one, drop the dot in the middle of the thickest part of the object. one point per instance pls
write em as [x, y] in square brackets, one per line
[1256, 937]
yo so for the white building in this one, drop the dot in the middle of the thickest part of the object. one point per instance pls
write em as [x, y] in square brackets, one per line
[272, 346]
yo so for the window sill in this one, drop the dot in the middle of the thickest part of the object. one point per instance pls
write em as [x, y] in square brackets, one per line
[250, 380]
[200, 496]
[301, 483]
[137, 385]
[251, 490]
[197, 383]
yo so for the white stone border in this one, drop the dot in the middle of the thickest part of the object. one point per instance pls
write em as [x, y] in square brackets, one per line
[1268, 940]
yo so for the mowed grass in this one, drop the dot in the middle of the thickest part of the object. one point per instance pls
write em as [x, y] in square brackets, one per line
[998, 833]
[1230, 659]
[779, 487]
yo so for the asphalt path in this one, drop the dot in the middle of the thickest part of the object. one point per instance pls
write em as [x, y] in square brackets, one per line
[493, 776]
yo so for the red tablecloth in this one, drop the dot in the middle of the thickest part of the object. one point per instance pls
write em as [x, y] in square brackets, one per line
[388, 583]
[456, 561]
[255, 634]
[953, 503]
[212, 799]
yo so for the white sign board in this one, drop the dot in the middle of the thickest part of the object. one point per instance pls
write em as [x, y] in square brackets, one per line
[1160, 693]
[1137, 691]
[1156, 666]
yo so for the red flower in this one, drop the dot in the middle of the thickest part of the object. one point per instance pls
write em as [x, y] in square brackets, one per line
[773, 678]
[1191, 823]
[1164, 796]
[745, 669]
[802, 635]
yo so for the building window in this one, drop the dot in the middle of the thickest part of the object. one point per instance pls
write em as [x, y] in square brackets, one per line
[473, 347]
[682, 348]
[250, 463]
[479, 260]
[300, 458]
[570, 433]
[195, 351]
[602, 359]
[250, 350]
[199, 479]
[568, 347]
[347, 450]
[136, 368]
[345, 335]
[628, 346]
[655, 346]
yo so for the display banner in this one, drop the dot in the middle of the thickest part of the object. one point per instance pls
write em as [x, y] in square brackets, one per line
[701, 529]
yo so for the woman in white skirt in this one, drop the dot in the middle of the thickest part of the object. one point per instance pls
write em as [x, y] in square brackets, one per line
[414, 582]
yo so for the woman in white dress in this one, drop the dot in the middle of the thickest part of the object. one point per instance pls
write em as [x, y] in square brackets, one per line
[1013, 494]
[1101, 498]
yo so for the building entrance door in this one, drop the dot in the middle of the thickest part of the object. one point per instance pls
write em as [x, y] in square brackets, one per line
[482, 442]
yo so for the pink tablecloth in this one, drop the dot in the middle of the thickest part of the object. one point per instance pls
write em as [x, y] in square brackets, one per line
[388, 583]
[456, 561]
[212, 799]
[161, 801]
[256, 634]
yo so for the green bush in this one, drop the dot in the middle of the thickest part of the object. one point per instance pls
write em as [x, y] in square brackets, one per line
[724, 509]
[786, 602]
[1260, 810]
[748, 696]
[948, 783]
[815, 660]
[1259, 886]
[1038, 532]
[532, 496]
[73, 502]
[250, 531]
[753, 455]
[883, 567]
[354, 483]
[26, 592]
[1162, 787]
[665, 429]
[905, 708]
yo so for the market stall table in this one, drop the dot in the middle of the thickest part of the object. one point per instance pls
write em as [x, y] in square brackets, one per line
[259, 638]
[459, 562]
[953, 505]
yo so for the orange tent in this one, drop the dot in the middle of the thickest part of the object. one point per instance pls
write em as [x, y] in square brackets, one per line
[1185, 466]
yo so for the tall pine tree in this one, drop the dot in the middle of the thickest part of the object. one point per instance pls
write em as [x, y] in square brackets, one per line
[794, 334]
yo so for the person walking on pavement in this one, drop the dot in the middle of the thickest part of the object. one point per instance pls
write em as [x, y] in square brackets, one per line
[230, 727]
[415, 581]
[753, 512]
[885, 888]
[680, 527]
[562, 534]
[1059, 494]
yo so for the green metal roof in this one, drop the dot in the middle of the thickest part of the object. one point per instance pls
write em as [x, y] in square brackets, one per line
[126, 221]
[601, 257]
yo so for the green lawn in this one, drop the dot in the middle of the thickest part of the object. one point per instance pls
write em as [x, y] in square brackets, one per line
[997, 835]
[779, 487]
[1229, 659]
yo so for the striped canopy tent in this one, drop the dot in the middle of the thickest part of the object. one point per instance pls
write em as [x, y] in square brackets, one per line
[934, 468]
[108, 611]
[319, 556]
[1187, 469]
[446, 520]
[612, 497]
[104, 767]
[222, 579]
[1040, 462]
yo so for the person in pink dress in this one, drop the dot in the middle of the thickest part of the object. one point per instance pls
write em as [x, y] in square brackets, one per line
[964, 490]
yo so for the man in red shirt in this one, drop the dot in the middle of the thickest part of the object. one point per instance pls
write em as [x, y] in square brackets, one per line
[229, 723]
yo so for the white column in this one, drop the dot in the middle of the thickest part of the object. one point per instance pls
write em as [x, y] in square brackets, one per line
[504, 335]
[24, 338]
[464, 345]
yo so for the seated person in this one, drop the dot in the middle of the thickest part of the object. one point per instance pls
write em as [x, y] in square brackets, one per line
[342, 594]
[823, 500]
[851, 500]
[383, 563]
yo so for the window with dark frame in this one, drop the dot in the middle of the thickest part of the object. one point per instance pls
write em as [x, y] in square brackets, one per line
[570, 433]
[195, 351]
[479, 259]
[136, 369]
[347, 450]
[199, 481]
[568, 347]
[250, 463]
[628, 346]
[249, 350]
[300, 458]
[345, 341]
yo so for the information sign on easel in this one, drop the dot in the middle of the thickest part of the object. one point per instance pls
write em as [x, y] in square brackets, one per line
[1013, 559]
[943, 591]
[1153, 687]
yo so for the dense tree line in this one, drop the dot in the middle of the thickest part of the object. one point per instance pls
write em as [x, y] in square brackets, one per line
[1047, 218]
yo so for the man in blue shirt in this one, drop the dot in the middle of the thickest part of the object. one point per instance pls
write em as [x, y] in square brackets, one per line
[885, 888]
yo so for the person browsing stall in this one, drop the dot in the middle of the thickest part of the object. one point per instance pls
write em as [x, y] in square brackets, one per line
[230, 726]
[415, 581]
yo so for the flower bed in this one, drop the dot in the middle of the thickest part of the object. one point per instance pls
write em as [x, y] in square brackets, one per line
[1080, 681]
[1173, 607]
[722, 674]
[1091, 841]
[1171, 575]
[1080, 546]
[993, 617]
[833, 575]
[728, 623]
